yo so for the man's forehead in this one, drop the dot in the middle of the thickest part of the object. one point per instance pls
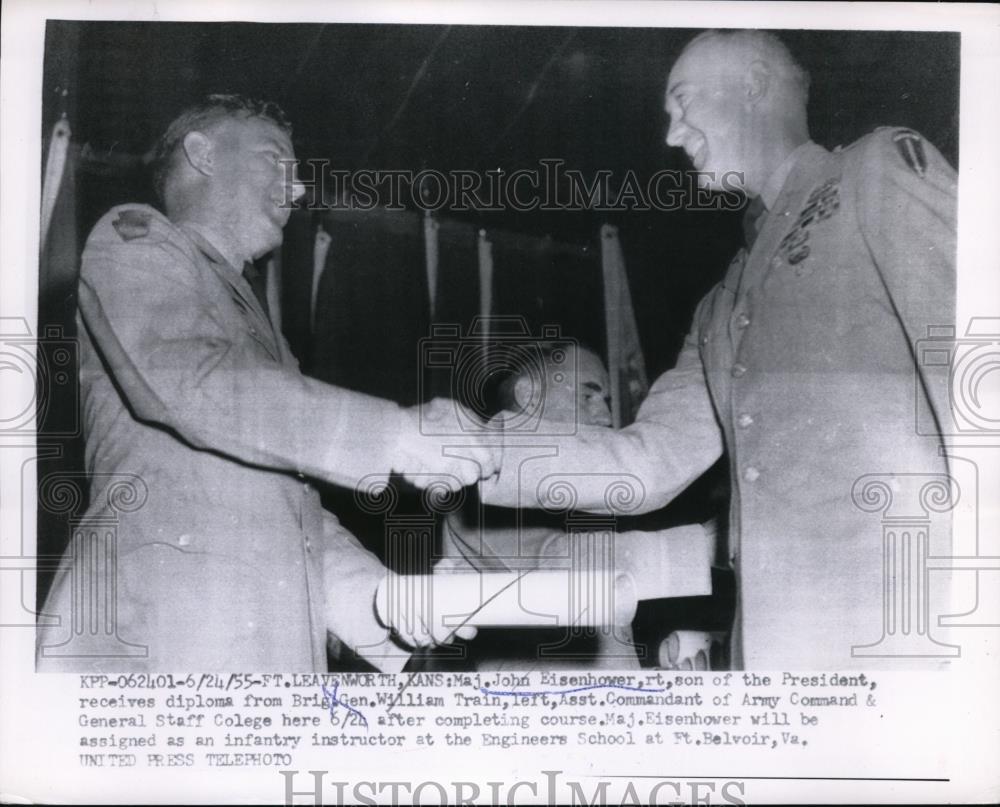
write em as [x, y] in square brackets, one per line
[679, 75]
[254, 130]
[590, 367]
[573, 357]
[704, 62]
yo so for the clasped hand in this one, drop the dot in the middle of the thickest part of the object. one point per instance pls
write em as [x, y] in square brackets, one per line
[444, 443]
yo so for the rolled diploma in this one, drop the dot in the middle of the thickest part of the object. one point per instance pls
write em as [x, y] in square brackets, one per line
[675, 562]
[668, 563]
[536, 598]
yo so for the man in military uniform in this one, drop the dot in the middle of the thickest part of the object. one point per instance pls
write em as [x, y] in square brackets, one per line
[570, 386]
[800, 364]
[193, 404]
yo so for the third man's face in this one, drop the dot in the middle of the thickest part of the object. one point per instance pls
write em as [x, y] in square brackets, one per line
[578, 390]
[707, 114]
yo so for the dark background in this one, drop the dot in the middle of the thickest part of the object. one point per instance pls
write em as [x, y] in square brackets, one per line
[479, 97]
[447, 97]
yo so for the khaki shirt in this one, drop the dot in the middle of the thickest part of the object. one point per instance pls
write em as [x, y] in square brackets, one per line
[801, 365]
[224, 560]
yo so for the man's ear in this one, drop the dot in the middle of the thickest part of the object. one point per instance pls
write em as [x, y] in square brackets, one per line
[198, 151]
[757, 81]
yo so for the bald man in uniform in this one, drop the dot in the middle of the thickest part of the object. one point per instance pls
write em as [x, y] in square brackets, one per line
[800, 364]
[202, 435]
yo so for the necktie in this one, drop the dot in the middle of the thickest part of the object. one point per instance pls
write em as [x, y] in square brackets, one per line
[753, 221]
[258, 284]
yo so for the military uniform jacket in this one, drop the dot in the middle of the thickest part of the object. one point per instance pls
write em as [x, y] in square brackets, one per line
[801, 365]
[196, 409]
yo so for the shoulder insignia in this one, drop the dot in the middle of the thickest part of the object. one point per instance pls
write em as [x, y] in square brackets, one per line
[911, 148]
[132, 224]
[823, 202]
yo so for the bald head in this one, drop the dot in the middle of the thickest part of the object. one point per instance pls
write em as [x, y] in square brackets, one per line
[570, 385]
[737, 106]
[736, 51]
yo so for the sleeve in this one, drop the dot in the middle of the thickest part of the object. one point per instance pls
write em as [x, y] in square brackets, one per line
[351, 575]
[178, 365]
[638, 469]
[906, 198]
[464, 547]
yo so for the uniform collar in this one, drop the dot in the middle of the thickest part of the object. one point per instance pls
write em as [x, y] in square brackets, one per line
[209, 242]
[772, 187]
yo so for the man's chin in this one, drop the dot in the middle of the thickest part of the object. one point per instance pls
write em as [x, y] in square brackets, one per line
[277, 231]
[708, 180]
[271, 244]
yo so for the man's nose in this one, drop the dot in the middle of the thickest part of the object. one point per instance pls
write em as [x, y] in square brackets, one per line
[675, 133]
[599, 411]
[294, 188]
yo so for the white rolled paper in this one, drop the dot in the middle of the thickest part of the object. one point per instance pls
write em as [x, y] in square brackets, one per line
[537, 598]
[675, 562]
[668, 563]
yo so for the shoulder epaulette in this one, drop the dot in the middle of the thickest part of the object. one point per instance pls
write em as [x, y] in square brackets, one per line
[128, 223]
[132, 224]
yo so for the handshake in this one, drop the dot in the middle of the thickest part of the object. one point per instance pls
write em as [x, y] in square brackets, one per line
[436, 447]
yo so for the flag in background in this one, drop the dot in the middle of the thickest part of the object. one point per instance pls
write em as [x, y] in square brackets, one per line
[626, 365]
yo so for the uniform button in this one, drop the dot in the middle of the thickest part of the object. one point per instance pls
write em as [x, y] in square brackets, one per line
[742, 321]
[775, 262]
[704, 340]
[744, 420]
[184, 540]
[253, 330]
[751, 474]
[738, 370]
